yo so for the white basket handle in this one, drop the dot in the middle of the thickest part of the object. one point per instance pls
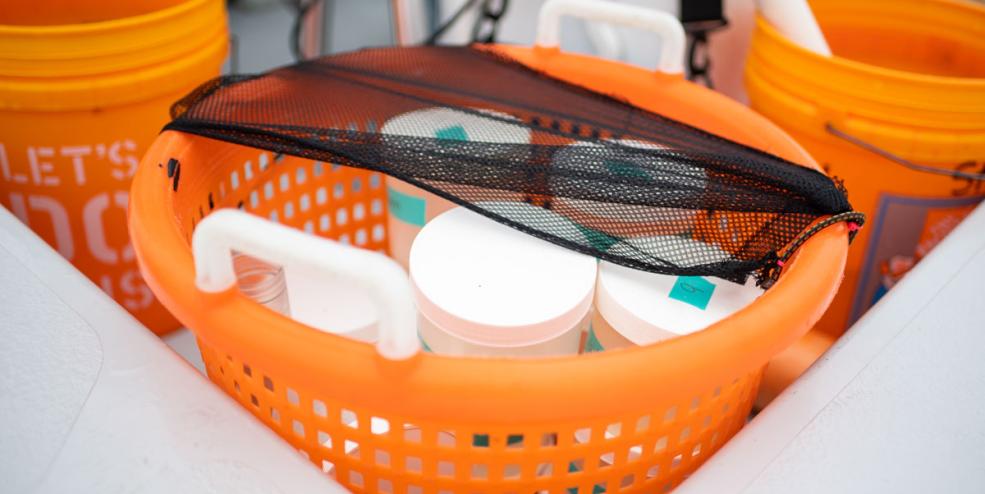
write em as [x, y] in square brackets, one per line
[664, 25]
[222, 231]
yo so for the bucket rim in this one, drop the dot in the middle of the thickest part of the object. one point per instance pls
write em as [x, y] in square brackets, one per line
[117, 88]
[920, 117]
[876, 71]
[88, 28]
[41, 53]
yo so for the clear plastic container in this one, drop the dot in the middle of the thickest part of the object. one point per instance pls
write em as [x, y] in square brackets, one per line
[263, 282]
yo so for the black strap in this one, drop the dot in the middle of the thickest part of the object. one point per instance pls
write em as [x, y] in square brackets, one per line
[486, 25]
[440, 30]
[701, 17]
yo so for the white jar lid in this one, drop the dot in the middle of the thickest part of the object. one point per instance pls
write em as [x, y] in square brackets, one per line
[625, 162]
[648, 307]
[451, 124]
[492, 285]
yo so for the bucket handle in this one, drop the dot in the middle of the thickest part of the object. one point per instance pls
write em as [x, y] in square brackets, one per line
[665, 26]
[222, 231]
[872, 148]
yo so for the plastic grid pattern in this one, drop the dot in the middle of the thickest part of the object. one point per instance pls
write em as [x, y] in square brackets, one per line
[376, 451]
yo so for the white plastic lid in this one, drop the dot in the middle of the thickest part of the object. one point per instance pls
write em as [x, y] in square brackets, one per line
[451, 124]
[648, 307]
[628, 164]
[492, 285]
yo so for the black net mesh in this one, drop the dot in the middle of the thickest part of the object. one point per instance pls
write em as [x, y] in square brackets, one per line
[574, 167]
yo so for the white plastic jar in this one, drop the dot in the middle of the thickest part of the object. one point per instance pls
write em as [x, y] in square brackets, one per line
[483, 288]
[635, 307]
[411, 207]
[332, 306]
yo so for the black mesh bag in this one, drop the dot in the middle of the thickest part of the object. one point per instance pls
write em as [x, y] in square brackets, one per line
[603, 177]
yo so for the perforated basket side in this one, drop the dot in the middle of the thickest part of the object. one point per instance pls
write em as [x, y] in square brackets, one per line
[376, 451]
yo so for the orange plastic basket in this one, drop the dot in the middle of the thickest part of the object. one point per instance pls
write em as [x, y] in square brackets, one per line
[636, 420]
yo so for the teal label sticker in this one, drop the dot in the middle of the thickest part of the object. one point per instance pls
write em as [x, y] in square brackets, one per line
[453, 133]
[592, 343]
[424, 344]
[599, 240]
[693, 290]
[625, 169]
[405, 207]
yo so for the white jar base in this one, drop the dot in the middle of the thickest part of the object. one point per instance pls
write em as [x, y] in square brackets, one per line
[439, 341]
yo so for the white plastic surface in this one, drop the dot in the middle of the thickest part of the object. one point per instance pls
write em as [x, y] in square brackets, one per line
[665, 26]
[795, 20]
[638, 304]
[223, 231]
[897, 405]
[182, 341]
[488, 283]
[93, 402]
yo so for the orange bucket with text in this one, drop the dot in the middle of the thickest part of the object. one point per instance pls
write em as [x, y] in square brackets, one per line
[898, 113]
[84, 89]
[636, 420]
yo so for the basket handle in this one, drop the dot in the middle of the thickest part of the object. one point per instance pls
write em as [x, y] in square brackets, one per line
[664, 25]
[222, 231]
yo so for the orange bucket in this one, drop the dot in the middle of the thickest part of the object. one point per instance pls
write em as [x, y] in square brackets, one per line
[907, 80]
[633, 420]
[83, 93]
